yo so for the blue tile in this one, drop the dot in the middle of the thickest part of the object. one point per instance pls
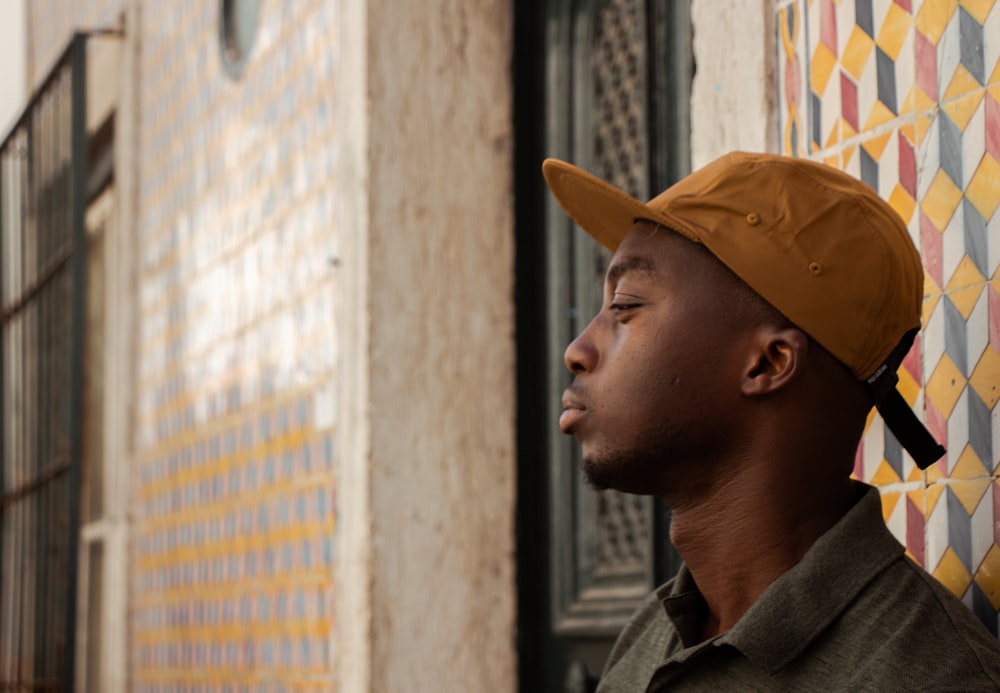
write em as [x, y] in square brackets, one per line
[950, 145]
[869, 169]
[893, 453]
[955, 337]
[865, 17]
[970, 43]
[959, 530]
[980, 429]
[885, 70]
[975, 237]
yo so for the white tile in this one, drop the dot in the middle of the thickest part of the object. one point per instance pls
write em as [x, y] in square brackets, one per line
[991, 40]
[953, 244]
[948, 54]
[928, 159]
[978, 330]
[897, 519]
[932, 339]
[982, 528]
[974, 142]
[873, 447]
[958, 429]
[936, 530]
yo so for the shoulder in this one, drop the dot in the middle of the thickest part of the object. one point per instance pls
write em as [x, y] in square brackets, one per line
[909, 627]
[642, 643]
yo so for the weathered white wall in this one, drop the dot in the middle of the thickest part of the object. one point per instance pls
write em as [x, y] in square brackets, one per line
[442, 351]
[732, 98]
[13, 70]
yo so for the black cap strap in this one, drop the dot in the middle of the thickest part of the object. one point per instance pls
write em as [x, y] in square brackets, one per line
[897, 414]
[907, 428]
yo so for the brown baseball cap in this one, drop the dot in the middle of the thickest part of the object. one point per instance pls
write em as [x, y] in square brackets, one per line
[819, 245]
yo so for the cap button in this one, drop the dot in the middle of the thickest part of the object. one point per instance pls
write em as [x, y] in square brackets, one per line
[753, 218]
[815, 268]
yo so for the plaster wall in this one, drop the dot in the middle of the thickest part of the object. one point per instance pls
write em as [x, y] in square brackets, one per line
[442, 360]
[732, 102]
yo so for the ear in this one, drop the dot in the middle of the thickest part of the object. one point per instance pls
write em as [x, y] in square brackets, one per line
[777, 356]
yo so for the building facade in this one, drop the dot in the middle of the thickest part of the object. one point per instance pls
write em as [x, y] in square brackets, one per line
[327, 300]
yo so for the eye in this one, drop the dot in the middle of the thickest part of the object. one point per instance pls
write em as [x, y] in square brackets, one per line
[619, 307]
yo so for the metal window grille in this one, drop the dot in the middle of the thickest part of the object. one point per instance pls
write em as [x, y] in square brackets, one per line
[42, 301]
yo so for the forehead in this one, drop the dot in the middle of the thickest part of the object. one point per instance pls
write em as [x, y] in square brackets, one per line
[655, 252]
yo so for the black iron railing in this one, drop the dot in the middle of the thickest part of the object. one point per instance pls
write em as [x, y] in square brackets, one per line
[42, 292]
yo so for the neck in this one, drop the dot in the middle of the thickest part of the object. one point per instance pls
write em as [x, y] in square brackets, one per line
[739, 536]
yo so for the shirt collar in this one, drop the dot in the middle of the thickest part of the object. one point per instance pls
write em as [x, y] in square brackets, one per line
[800, 604]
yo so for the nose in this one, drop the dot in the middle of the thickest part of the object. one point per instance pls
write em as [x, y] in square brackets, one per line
[581, 354]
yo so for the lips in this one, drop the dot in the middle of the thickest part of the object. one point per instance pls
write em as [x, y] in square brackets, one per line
[573, 410]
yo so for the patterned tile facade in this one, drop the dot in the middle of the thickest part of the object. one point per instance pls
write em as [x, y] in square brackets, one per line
[905, 95]
[233, 543]
[235, 527]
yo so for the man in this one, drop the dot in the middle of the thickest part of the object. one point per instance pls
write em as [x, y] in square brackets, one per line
[753, 314]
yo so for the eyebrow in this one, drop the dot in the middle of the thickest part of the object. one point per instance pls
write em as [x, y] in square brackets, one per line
[622, 266]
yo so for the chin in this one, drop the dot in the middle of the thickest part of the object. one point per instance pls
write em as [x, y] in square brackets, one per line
[615, 473]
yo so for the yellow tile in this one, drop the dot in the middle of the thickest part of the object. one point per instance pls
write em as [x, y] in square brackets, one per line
[941, 199]
[879, 114]
[995, 75]
[985, 378]
[847, 155]
[934, 491]
[894, 29]
[962, 109]
[966, 274]
[907, 386]
[856, 52]
[834, 136]
[932, 19]
[876, 145]
[965, 299]
[917, 474]
[929, 303]
[909, 103]
[952, 574]
[884, 475]
[889, 501]
[847, 130]
[962, 83]
[871, 417]
[984, 188]
[833, 161]
[969, 466]
[901, 201]
[931, 288]
[923, 125]
[979, 9]
[821, 67]
[916, 496]
[944, 387]
[988, 576]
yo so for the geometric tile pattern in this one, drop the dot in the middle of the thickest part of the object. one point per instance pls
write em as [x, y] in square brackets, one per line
[233, 562]
[905, 95]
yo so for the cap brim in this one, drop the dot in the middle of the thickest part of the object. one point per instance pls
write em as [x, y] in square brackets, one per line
[601, 209]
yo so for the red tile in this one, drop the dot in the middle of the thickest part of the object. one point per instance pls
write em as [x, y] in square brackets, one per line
[926, 64]
[828, 25]
[992, 127]
[930, 249]
[859, 462]
[848, 100]
[907, 166]
[915, 530]
[905, 4]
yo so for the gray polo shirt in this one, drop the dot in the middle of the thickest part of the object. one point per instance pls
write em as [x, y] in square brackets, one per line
[855, 614]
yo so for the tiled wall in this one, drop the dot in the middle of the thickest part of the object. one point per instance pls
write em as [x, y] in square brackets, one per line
[905, 95]
[235, 489]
